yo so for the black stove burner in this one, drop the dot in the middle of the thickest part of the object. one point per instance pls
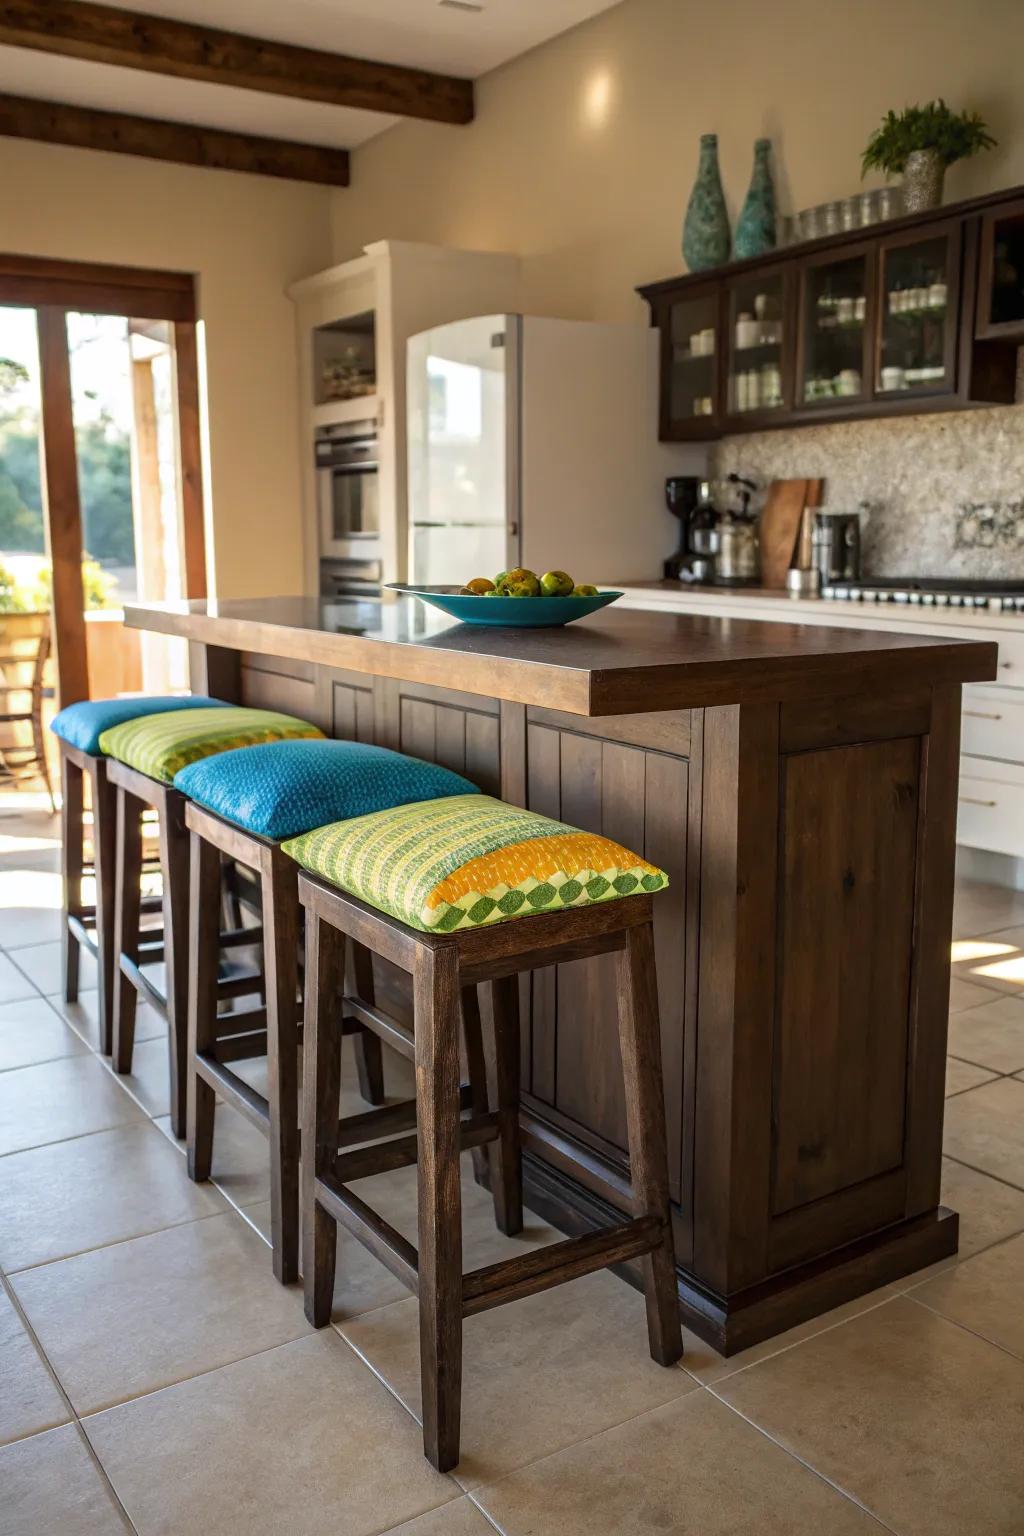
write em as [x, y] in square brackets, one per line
[939, 584]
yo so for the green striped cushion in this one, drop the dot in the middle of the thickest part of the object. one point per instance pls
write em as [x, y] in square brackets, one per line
[160, 745]
[467, 860]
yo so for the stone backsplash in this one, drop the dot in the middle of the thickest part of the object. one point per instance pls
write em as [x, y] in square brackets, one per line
[943, 494]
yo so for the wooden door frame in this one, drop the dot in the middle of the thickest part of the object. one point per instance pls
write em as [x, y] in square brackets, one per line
[52, 289]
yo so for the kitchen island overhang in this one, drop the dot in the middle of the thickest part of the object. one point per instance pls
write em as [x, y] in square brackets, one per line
[800, 786]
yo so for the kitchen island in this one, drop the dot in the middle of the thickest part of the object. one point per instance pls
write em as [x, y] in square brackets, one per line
[799, 785]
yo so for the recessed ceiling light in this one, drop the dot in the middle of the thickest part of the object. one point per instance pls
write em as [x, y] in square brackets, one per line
[460, 5]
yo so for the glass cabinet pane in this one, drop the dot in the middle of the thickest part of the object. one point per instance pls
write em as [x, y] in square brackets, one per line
[755, 344]
[1006, 305]
[694, 338]
[917, 292]
[835, 316]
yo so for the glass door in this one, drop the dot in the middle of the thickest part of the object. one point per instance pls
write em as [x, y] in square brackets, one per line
[1001, 280]
[758, 379]
[918, 308]
[836, 304]
[690, 360]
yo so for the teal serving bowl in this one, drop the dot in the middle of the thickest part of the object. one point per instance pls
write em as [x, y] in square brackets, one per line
[507, 612]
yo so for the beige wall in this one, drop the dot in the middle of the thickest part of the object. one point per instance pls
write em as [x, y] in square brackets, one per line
[246, 238]
[583, 153]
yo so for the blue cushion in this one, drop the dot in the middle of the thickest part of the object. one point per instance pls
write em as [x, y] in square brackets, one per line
[82, 725]
[281, 789]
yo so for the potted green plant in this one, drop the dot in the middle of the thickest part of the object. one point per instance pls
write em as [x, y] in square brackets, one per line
[921, 142]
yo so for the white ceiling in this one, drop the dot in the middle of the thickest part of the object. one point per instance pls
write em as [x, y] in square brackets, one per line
[418, 33]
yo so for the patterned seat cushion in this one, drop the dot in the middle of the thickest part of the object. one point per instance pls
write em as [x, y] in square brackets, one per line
[82, 725]
[160, 745]
[462, 862]
[283, 788]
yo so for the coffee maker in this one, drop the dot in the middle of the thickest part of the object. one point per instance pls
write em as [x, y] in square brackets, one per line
[689, 499]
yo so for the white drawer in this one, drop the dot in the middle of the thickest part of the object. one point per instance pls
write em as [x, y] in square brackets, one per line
[992, 723]
[990, 813]
[1011, 656]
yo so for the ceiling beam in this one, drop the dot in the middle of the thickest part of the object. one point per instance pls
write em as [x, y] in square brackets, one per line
[23, 117]
[105, 34]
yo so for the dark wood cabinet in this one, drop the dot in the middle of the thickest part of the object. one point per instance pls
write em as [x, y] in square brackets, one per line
[1001, 274]
[918, 314]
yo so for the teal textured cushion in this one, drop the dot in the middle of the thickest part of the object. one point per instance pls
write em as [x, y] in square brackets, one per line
[82, 725]
[284, 788]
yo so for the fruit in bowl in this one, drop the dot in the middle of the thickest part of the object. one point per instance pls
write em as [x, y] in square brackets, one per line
[521, 582]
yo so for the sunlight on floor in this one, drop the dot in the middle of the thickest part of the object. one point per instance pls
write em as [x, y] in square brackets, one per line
[962, 950]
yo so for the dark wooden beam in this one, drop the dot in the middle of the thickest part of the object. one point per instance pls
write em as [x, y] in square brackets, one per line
[134, 40]
[23, 117]
[61, 505]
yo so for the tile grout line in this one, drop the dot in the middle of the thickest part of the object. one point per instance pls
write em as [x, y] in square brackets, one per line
[964, 1327]
[73, 1418]
[829, 1482]
[1017, 1188]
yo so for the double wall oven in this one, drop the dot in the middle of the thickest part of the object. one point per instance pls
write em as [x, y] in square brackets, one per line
[347, 463]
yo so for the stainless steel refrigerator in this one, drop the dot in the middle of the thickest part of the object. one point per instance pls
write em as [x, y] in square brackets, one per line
[535, 442]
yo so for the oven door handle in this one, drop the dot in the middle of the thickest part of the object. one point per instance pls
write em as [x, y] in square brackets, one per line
[365, 467]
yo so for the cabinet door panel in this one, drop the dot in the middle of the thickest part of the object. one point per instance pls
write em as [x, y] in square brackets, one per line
[848, 851]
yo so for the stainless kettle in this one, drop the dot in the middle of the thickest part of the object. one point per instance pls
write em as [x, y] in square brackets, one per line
[738, 563]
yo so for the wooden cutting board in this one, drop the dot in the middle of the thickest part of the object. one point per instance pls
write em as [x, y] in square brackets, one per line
[780, 525]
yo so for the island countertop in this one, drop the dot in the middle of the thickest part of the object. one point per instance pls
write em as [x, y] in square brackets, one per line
[613, 663]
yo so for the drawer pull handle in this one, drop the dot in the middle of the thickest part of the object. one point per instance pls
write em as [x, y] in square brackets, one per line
[971, 800]
[981, 714]
[1005, 665]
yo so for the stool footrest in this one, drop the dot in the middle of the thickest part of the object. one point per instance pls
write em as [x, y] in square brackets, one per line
[375, 1123]
[82, 927]
[394, 1251]
[235, 1089]
[388, 1155]
[383, 1024]
[528, 1273]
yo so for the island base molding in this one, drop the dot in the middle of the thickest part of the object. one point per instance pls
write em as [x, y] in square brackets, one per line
[734, 1323]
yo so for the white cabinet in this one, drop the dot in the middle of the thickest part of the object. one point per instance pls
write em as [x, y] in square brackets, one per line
[405, 287]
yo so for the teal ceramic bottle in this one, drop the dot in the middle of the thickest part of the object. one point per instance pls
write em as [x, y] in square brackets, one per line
[706, 226]
[755, 231]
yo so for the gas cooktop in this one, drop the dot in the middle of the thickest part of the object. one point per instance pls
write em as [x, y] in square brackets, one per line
[931, 591]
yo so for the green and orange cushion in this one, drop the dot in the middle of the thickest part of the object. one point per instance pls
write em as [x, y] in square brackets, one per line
[468, 860]
[160, 745]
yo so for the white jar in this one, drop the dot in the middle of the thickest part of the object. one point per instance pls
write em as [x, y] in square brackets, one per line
[893, 378]
[937, 296]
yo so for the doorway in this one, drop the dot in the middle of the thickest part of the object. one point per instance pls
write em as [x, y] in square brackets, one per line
[101, 499]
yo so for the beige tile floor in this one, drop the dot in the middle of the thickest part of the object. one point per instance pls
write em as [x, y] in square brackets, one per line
[155, 1378]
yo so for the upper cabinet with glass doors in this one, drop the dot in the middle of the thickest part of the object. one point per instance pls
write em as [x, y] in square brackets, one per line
[923, 314]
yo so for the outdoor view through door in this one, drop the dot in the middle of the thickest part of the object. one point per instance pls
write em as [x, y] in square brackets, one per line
[100, 483]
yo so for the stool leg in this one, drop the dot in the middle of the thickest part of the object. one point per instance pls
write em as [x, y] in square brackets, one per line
[436, 994]
[369, 1055]
[71, 860]
[127, 917]
[640, 1042]
[174, 870]
[321, 1090]
[204, 896]
[503, 1073]
[476, 1067]
[280, 886]
[104, 838]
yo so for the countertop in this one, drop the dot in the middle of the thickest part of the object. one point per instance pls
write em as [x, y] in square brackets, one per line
[619, 661]
[771, 603]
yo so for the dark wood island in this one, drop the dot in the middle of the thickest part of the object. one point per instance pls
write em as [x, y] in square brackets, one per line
[800, 787]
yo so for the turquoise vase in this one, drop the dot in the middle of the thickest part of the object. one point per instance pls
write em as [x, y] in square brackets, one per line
[706, 226]
[755, 231]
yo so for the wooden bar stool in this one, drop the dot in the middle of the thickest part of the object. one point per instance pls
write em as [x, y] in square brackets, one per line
[240, 805]
[90, 925]
[448, 940]
[143, 756]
